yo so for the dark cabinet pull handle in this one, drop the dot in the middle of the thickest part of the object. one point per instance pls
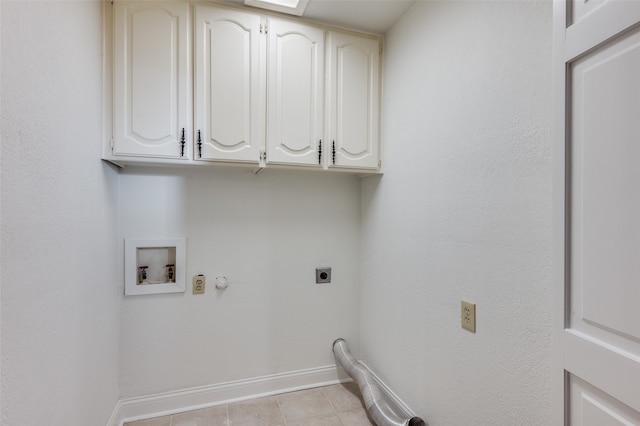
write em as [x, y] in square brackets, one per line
[182, 142]
[320, 152]
[199, 145]
[333, 152]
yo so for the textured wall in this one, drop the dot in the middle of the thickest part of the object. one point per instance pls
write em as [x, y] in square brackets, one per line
[463, 212]
[60, 302]
[267, 234]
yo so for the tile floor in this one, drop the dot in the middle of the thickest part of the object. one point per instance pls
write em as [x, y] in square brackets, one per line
[336, 405]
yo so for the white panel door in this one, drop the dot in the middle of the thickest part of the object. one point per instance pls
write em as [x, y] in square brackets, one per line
[151, 79]
[598, 340]
[353, 100]
[229, 107]
[295, 93]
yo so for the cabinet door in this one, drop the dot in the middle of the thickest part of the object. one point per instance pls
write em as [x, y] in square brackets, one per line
[354, 98]
[295, 93]
[151, 79]
[229, 107]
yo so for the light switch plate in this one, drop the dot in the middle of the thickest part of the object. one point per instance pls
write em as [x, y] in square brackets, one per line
[468, 316]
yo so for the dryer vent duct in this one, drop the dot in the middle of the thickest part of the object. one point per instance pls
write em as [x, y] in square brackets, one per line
[377, 408]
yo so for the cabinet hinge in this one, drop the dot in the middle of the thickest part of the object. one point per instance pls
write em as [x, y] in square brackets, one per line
[263, 155]
[111, 143]
[264, 27]
[380, 50]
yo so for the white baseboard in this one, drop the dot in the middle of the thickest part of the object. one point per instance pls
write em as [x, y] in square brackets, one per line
[208, 396]
[392, 399]
[116, 416]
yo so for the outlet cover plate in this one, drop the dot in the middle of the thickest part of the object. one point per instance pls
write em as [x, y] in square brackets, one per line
[323, 275]
[199, 282]
[468, 316]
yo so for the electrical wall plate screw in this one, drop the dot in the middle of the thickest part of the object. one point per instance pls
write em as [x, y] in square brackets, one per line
[323, 275]
[468, 316]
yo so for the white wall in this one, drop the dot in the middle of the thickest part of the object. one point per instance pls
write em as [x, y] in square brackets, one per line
[59, 321]
[463, 212]
[267, 233]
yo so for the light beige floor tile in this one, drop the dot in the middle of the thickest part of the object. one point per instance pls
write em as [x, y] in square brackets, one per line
[331, 420]
[356, 417]
[344, 396]
[335, 405]
[157, 421]
[256, 412]
[214, 416]
[255, 422]
[304, 404]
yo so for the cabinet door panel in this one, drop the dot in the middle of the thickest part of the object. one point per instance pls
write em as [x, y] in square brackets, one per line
[295, 90]
[354, 100]
[227, 90]
[151, 79]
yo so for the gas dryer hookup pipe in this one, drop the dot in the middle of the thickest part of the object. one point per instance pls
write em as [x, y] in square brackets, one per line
[379, 411]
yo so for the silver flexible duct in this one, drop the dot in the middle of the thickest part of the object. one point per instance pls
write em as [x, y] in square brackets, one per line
[377, 408]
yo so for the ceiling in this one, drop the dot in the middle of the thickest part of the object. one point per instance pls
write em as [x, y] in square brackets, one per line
[368, 15]
[375, 16]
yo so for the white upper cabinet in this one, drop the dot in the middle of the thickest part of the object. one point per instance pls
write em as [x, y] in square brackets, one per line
[196, 83]
[229, 105]
[295, 82]
[152, 71]
[353, 97]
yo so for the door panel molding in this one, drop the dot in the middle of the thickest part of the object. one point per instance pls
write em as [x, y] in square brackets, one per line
[607, 22]
[596, 353]
[609, 368]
